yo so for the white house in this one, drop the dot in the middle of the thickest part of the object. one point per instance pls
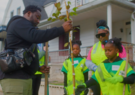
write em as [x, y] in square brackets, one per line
[16, 7]
[119, 14]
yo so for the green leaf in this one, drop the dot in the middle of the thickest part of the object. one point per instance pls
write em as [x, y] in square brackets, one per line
[75, 31]
[58, 13]
[65, 19]
[72, 13]
[62, 17]
[66, 44]
[49, 19]
[77, 27]
[74, 9]
[54, 19]
[55, 15]
[68, 7]
[69, 3]
[57, 5]
[59, 9]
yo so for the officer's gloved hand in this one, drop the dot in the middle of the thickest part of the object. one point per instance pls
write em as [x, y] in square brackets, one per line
[65, 90]
[114, 79]
[80, 88]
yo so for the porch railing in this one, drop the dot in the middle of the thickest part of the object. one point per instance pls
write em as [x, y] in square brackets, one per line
[79, 3]
[60, 55]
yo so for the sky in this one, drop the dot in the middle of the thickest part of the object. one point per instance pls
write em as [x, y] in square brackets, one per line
[3, 4]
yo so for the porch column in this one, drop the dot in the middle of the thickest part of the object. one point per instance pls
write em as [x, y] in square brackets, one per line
[133, 27]
[0, 46]
[133, 34]
[109, 19]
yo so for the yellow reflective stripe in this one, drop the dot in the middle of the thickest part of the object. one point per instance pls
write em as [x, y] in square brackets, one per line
[100, 73]
[108, 88]
[79, 79]
[38, 73]
[65, 64]
[95, 48]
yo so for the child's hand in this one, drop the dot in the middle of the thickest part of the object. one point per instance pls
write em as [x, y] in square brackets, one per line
[65, 90]
[80, 88]
[115, 79]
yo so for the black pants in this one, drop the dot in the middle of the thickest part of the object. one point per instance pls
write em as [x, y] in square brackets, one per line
[36, 80]
[95, 89]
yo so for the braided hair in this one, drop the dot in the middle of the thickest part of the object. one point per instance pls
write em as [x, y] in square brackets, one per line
[116, 42]
[75, 43]
[102, 25]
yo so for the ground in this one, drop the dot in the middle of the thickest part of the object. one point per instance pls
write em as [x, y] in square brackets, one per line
[133, 89]
[1, 93]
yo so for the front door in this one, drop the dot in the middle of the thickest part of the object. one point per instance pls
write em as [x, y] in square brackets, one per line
[128, 34]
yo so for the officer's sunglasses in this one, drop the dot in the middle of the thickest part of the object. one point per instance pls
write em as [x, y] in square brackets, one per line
[101, 34]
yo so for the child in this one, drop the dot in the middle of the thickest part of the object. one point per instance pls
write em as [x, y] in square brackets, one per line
[110, 74]
[81, 71]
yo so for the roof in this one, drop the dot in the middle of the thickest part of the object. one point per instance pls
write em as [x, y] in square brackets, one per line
[40, 4]
[48, 1]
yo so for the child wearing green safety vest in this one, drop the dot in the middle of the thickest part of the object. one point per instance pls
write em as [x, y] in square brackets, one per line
[110, 74]
[81, 71]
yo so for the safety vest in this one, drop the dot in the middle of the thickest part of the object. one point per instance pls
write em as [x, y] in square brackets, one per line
[108, 88]
[98, 53]
[41, 63]
[79, 77]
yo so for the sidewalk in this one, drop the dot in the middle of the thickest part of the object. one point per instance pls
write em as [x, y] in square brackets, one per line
[1, 90]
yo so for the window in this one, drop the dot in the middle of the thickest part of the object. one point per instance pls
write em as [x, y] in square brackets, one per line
[19, 11]
[65, 38]
[86, 1]
[12, 14]
[78, 2]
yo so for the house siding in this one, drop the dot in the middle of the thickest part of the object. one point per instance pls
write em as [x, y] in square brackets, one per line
[54, 44]
[116, 30]
[87, 29]
[49, 9]
[13, 7]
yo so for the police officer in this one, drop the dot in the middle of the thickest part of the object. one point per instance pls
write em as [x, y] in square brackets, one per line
[21, 33]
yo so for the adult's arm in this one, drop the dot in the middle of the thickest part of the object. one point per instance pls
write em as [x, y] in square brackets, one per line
[89, 54]
[65, 79]
[129, 80]
[123, 54]
[25, 30]
[89, 63]
[86, 79]
[85, 76]
[29, 33]
[91, 82]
